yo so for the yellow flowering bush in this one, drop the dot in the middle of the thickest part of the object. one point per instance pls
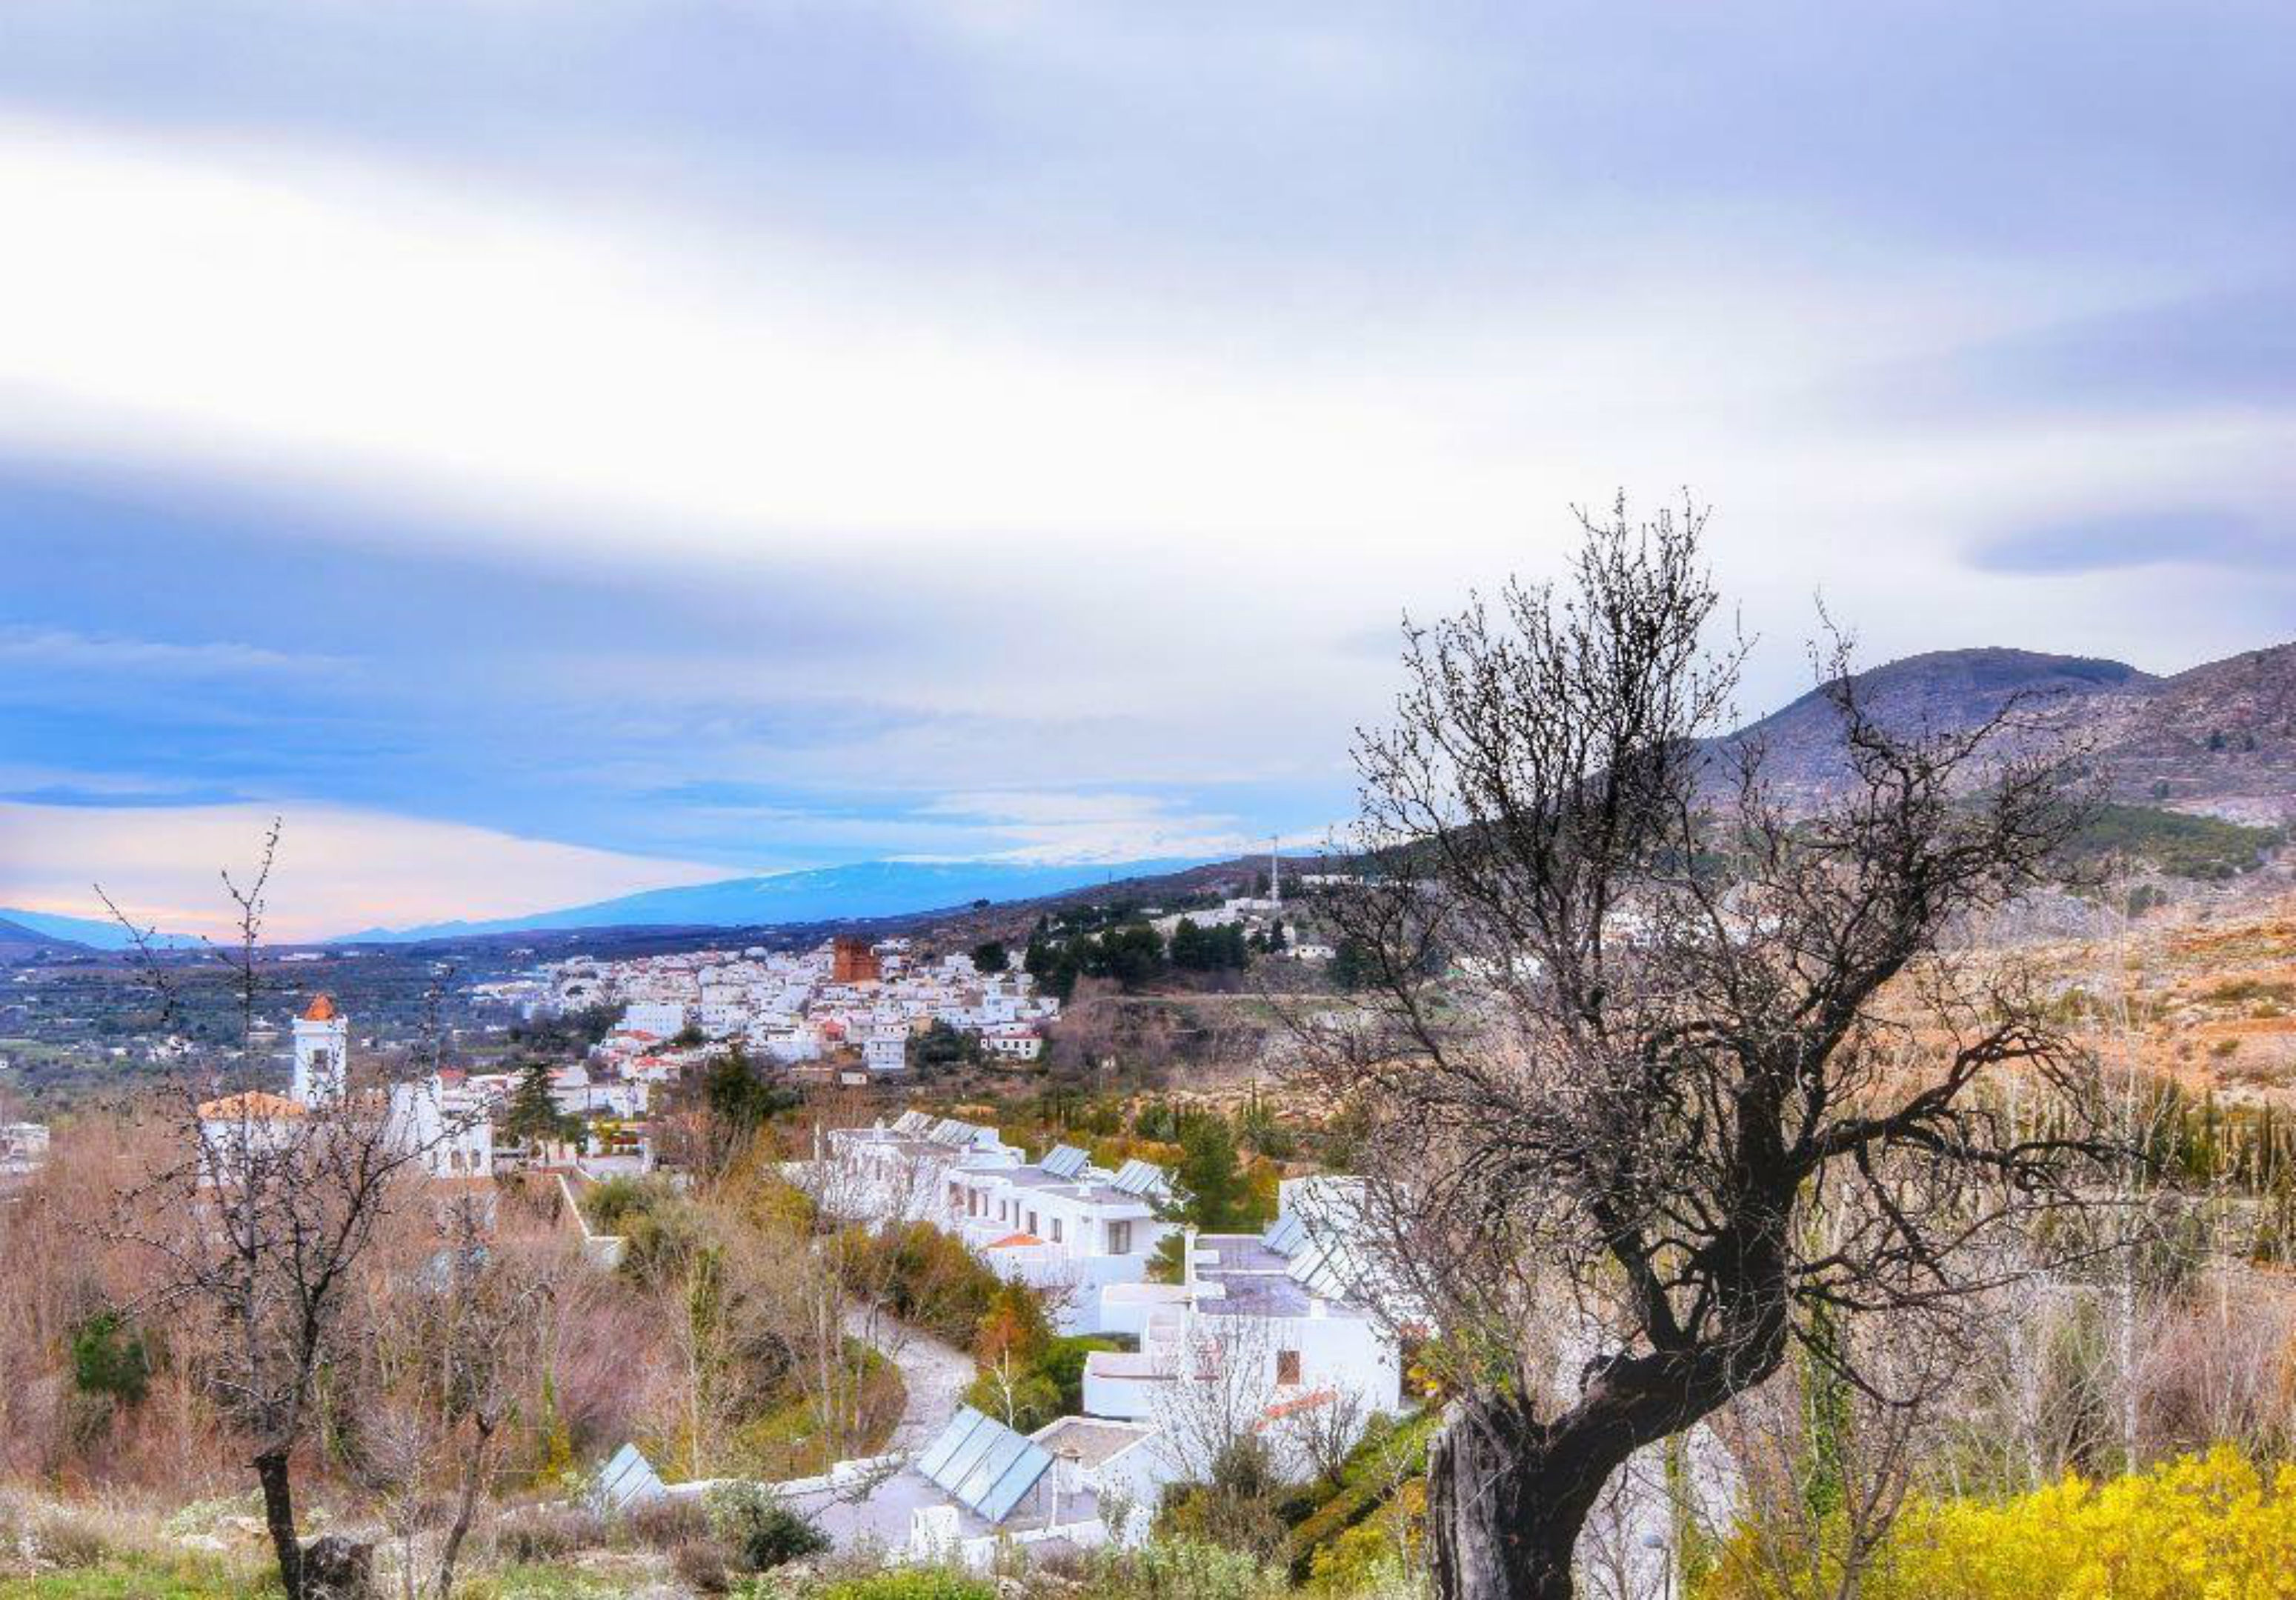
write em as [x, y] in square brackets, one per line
[2210, 1526]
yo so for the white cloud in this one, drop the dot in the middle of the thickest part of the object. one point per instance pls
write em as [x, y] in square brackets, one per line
[711, 388]
[73, 651]
[1150, 517]
[339, 869]
[1093, 825]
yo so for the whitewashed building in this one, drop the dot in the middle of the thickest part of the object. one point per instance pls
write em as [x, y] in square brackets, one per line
[448, 1123]
[899, 1171]
[1064, 1226]
[1285, 1315]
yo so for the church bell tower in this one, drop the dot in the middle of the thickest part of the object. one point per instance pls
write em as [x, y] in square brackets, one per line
[322, 1050]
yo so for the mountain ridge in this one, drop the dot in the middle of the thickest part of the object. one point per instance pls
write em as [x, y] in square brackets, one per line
[2218, 738]
[858, 891]
[83, 932]
[19, 941]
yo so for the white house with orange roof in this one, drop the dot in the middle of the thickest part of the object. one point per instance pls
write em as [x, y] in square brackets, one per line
[1064, 1226]
[236, 1130]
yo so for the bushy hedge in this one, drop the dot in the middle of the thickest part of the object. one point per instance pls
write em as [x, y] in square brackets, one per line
[762, 1531]
[927, 1278]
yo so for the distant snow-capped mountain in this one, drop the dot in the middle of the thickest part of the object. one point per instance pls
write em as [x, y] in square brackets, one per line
[864, 888]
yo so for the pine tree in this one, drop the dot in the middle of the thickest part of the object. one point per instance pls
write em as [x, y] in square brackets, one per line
[1210, 1176]
[533, 1113]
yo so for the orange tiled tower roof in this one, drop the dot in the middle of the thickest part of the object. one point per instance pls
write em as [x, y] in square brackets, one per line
[320, 1010]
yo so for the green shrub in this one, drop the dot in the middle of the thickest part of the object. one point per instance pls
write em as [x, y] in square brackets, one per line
[1062, 1363]
[927, 1277]
[911, 1583]
[1046, 1383]
[1025, 1401]
[762, 1530]
[1385, 1461]
[1241, 1508]
[610, 1203]
[1184, 1569]
[2205, 849]
[110, 1359]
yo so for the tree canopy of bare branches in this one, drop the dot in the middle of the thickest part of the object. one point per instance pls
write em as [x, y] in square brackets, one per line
[1635, 1020]
[259, 1219]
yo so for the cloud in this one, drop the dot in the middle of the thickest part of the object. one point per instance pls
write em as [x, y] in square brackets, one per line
[583, 376]
[2193, 537]
[338, 869]
[1084, 825]
[2227, 350]
[121, 797]
[67, 650]
[723, 433]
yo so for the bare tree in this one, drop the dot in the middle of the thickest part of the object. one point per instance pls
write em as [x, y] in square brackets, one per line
[444, 1354]
[1633, 1015]
[1221, 1372]
[258, 1218]
[1211, 1421]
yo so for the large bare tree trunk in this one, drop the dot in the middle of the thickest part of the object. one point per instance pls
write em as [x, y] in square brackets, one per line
[1506, 1499]
[279, 1517]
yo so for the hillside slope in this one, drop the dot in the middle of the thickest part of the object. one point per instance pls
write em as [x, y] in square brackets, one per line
[19, 942]
[2218, 738]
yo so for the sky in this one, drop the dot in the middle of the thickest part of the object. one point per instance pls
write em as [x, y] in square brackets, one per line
[548, 450]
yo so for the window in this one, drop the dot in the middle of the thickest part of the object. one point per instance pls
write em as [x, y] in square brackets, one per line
[1056, 1230]
[1287, 1369]
[1120, 1238]
[1032, 1222]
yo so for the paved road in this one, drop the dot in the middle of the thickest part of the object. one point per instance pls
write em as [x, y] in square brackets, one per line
[934, 1374]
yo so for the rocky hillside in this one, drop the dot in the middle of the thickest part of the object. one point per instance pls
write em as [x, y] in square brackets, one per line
[2218, 739]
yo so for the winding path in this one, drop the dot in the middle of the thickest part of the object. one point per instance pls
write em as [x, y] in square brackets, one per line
[933, 1373]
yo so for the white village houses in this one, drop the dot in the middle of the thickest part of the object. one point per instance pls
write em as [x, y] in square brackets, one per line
[1280, 1326]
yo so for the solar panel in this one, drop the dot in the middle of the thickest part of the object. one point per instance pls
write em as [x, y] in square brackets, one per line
[1138, 1176]
[1066, 1160]
[996, 1502]
[627, 1479]
[960, 1427]
[1285, 1236]
[1331, 1271]
[909, 1123]
[967, 1455]
[981, 1476]
[982, 1465]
